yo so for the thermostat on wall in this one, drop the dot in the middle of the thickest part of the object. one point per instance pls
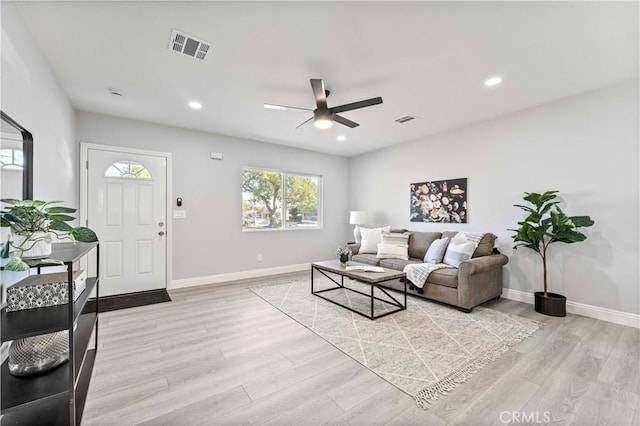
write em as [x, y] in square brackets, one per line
[216, 156]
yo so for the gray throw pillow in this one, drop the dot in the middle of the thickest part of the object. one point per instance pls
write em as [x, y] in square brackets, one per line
[436, 251]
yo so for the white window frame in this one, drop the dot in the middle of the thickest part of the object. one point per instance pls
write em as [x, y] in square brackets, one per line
[129, 175]
[283, 207]
[13, 166]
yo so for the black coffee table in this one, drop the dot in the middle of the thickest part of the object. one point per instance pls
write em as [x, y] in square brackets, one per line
[374, 279]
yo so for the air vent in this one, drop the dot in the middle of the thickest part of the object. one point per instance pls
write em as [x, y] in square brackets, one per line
[189, 45]
[406, 118]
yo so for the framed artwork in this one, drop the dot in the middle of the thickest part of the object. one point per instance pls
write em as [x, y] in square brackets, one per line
[442, 201]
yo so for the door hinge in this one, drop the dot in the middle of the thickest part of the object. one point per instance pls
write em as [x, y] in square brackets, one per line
[87, 164]
[86, 223]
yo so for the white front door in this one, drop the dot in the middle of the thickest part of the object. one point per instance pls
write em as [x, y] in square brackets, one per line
[126, 207]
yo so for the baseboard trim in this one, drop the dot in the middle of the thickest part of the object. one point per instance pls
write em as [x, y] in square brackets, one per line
[596, 312]
[236, 276]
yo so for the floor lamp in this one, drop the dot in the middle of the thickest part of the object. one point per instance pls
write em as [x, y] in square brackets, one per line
[358, 218]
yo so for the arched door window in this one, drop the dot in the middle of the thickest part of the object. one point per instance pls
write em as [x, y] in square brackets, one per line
[128, 169]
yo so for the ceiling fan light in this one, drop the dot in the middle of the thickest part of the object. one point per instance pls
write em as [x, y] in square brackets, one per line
[323, 123]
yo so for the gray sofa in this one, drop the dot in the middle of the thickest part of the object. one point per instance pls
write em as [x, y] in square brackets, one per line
[475, 281]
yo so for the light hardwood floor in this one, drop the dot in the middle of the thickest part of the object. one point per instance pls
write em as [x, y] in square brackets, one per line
[222, 355]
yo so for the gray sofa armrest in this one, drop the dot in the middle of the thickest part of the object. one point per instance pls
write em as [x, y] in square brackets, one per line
[483, 263]
[355, 247]
[480, 279]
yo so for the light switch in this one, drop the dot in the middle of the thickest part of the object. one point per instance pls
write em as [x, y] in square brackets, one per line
[179, 214]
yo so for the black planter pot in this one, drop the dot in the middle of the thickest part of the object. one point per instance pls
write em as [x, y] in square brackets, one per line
[554, 305]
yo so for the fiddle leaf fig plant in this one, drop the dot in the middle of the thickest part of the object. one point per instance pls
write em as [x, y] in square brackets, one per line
[36, 221]
[546, 224]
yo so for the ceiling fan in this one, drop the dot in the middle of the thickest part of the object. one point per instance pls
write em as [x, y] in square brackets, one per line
[323, 116]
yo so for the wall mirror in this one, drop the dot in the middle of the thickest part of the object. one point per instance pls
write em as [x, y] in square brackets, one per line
[16, 160]
[16, 179]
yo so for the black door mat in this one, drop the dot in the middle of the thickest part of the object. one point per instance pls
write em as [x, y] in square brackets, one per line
[129, 300]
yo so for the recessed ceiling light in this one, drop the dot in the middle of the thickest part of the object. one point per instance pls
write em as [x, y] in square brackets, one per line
[341, 138]
[195, 105]
[493, 81]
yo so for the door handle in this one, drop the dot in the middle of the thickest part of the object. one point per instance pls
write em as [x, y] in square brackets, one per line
[161, 233]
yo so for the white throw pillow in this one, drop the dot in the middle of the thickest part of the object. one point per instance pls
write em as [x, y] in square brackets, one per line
[394, 245]
[458, 251]
[393, 251]
[371, 238]
[436, 251]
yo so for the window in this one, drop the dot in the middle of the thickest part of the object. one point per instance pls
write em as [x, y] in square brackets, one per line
[11, 159]
[128, 169]
[279, 200]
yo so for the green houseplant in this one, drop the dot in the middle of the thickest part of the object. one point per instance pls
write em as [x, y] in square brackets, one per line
[544, 225]
[33, 224]
[343, 253]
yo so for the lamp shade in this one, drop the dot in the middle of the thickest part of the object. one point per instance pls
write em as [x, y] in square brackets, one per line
[358, 218]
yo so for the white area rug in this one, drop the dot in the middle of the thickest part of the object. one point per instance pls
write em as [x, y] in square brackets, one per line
[426, 350]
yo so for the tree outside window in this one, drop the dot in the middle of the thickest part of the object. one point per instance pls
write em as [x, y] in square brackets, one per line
[302, 201]
[278, 200]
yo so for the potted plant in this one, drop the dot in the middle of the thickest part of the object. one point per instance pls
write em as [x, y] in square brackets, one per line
[33, 224]
[344, 253]
[544, 225]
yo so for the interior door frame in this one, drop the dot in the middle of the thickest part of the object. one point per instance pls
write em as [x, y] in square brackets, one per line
[84, 195]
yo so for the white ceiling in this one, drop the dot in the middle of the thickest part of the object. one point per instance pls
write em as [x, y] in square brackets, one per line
[428, 59]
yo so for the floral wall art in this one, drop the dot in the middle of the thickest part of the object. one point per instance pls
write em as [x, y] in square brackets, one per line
[439, 201]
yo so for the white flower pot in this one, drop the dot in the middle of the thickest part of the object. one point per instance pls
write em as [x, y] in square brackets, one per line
[28, 250]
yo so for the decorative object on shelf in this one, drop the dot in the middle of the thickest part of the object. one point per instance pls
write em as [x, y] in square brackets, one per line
[439, 201]
[358, 218]
[344, 253]
[38, 354]
[39, 291]
[544, 225]
[33, 222]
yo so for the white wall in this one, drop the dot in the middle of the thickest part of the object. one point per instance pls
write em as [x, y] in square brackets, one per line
[584, 146]
[32, 97]
[210, 240]
[30, 94]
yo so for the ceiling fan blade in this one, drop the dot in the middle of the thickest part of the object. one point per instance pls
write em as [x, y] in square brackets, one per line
[356, 105]
[285, 108]
[317, 85]
[339, 119]
[304, 122]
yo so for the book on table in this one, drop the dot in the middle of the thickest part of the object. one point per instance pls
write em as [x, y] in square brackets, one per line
[364, 268]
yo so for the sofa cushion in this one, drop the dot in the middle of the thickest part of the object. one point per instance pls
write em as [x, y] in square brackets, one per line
[371, 239]
[369, 259]
[485, 246]
[446, 276]
[419, 242]
[458, 251]
[393, 246]
[449, 234]
[436, 251]
[397, 264]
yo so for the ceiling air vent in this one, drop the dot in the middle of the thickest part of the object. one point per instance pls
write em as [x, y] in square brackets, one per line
[406, 118]
[189, 45]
